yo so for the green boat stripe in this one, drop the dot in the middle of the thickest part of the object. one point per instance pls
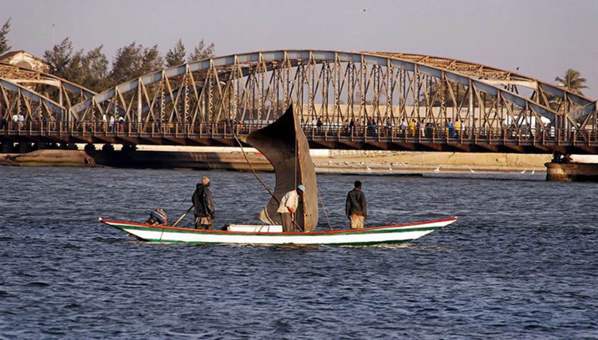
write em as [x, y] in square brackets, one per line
[269, 244]
[376, 231]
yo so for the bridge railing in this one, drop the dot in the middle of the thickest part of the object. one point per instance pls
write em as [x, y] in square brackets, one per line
[439, 134]
[372, 133]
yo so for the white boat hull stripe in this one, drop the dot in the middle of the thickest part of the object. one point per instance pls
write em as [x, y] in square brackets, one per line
[392, 234]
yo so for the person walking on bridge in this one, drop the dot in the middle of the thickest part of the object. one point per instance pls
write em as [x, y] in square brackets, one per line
[203, 205]
[356, 207]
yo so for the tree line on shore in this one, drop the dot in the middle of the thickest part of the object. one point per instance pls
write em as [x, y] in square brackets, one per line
[91, 69]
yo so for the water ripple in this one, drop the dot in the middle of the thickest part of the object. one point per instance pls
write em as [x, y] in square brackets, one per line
[510, 268]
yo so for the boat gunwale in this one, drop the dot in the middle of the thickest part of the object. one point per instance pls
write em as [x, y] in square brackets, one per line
[124, 224]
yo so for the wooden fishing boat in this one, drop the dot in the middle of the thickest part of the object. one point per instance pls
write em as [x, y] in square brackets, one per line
[393, 234]
[285, 146]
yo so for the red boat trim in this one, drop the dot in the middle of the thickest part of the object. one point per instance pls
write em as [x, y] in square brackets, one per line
[283, 233]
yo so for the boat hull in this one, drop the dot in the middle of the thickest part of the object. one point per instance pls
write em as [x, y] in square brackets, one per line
[368, 236]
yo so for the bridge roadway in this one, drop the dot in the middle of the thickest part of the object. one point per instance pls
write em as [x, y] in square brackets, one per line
[28, 135]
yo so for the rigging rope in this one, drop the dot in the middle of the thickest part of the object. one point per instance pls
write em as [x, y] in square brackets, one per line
[294, 216]
[325, 212]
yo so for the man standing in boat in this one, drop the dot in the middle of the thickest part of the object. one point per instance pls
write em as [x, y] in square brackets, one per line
[288, 207]
[203, 205]
[356, 207]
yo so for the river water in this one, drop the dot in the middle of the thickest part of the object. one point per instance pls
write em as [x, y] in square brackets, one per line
[521, 262]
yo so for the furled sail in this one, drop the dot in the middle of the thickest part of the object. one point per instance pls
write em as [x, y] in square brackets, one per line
[285, 146]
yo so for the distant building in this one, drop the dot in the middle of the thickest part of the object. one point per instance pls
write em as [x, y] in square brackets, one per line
[26, 60]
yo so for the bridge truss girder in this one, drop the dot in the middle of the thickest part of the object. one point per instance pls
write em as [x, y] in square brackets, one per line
[581, 109]
[37, 95]
[18, 100]
[334, 87]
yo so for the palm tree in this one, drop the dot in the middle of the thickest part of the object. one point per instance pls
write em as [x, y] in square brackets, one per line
[572, 81]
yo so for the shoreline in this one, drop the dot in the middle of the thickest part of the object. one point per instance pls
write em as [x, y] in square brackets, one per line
[353, 162]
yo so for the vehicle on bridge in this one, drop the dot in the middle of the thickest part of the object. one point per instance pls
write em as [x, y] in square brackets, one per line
[519, 126]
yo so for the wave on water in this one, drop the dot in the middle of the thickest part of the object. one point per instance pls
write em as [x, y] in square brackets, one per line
[509, 268]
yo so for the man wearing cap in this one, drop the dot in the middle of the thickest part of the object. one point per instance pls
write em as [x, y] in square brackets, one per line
[356, 207]
[288, 207]
[203, 205]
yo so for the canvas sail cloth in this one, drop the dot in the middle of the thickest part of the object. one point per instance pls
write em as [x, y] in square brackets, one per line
[285, 146]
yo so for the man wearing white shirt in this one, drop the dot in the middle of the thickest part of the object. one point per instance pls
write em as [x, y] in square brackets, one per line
[288, 207]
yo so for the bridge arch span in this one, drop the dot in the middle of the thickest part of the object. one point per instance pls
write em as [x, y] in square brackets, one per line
[577, 106]
[18, 99]
[28, 77]
[29, 87]
[332, 86]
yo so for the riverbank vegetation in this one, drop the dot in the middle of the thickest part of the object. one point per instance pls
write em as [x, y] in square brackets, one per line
[92, 69]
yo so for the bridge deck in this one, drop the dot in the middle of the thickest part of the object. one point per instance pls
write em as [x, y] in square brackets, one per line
[361, 138]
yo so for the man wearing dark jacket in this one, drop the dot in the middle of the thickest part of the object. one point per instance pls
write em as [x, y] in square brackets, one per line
[203, 205]
[356, 207]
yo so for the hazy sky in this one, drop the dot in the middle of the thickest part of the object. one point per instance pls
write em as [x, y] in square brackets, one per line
[542, 37]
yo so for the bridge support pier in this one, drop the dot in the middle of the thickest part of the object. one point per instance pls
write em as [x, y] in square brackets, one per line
[129, 148]
[25, 147]
[7, 147]
[46, 146]
[89, 148]
[68, 146]
[108, 148]
[564, 170]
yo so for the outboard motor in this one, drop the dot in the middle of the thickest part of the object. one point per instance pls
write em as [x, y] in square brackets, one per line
[157, 217]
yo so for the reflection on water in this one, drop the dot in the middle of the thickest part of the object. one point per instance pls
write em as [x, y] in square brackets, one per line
[521, 262]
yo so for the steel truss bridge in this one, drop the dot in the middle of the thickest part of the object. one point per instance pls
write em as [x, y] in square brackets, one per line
[346, 100]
